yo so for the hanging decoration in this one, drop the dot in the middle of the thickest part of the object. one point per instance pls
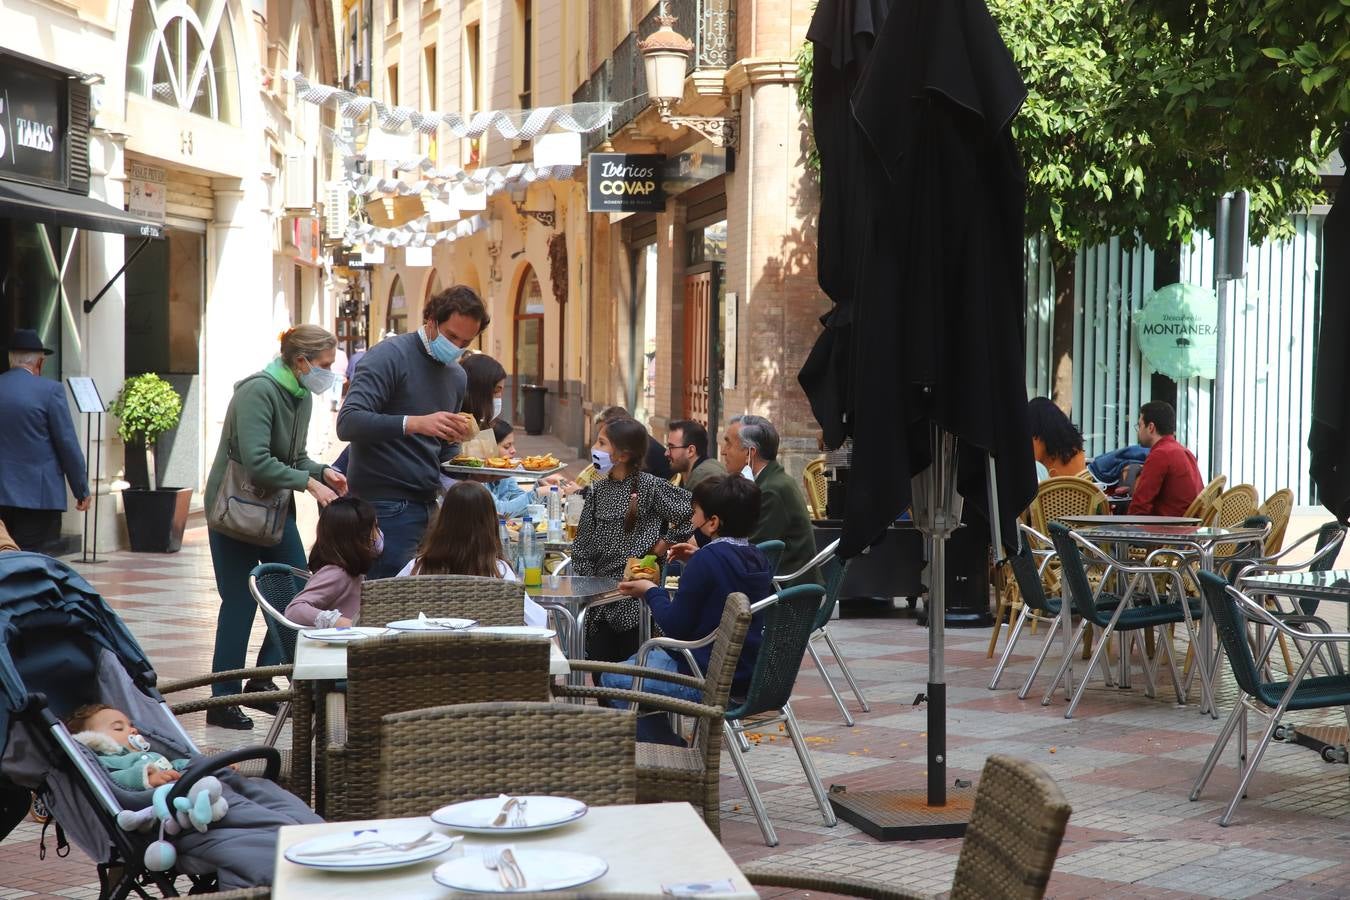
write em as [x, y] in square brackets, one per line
[412, 234]
[513, 124]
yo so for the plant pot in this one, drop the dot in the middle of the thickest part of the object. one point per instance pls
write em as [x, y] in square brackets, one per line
[156, 519]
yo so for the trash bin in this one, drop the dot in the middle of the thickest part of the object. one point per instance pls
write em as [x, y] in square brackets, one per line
[534, 407]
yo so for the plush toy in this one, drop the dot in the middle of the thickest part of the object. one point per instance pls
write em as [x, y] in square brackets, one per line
[203, 805]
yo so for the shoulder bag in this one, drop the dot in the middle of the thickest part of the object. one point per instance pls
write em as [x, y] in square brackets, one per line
[247, 511]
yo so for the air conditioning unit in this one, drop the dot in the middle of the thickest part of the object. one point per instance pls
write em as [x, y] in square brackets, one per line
[336, 211]
[300, 175]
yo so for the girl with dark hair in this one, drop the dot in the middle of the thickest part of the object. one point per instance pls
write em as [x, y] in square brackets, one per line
[626, 515]
[463, 539]
[487, 385]
[346, 544]
[1056, 442]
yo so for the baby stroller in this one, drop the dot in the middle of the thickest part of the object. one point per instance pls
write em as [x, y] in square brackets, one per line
[62, 646]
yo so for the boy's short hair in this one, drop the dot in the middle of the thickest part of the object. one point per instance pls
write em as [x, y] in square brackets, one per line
[733, 499]
[79, 719]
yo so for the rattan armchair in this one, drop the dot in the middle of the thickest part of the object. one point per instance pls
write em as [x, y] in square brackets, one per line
[432, 757]
[1066, 495]
[1009, 850]
[416, 671]
[1278, 508]
[683, 774]
[1205, 506]
[490, 601]
[817, 491]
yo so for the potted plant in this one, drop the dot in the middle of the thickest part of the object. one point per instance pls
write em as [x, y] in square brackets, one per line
[146, 408]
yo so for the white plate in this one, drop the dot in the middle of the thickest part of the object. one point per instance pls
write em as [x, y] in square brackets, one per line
[526, 630]
[343, 635]
[541, 814]
[369, 861]
[432, 623]
[545, 870]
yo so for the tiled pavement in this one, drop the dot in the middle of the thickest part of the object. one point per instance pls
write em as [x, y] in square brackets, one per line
[1125, 762]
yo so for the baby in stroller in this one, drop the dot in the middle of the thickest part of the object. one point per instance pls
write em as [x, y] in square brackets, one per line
[61, 648]
[121, 749]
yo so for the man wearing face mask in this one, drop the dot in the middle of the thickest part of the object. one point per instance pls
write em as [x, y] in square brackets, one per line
[750, 446]
[402, 420]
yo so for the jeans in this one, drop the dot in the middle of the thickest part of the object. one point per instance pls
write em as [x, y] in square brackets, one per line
[233, 561]
[403, 523]
[654, 727]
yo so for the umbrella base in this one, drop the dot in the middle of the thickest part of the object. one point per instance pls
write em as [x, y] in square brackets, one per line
[904, 815]
[959, 619]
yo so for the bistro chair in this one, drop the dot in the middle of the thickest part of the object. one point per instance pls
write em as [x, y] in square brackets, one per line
[817, 491]
[274, 586]
[1067, 495]
[1278, 507]
[1126, 619]
[433, 757]
[667, 774]
[489, 601]
[774, 551]
[1236, 506]
[1328, 546]
[1205, 504]
[414, 670]
[1009, 850]
[1232, 610]
[832, 571]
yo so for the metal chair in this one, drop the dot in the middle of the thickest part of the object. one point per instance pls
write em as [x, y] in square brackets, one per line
[416, 670]
[1232, 610]
[586, 752]
[832, 571]
[491, 601]
[1124, 619]
[1009, 850]
[774, 551]
[273, 586]
[1329, 539]
[817, 492]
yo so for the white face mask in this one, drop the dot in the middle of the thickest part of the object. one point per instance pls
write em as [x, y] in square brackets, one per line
[316, 380]
[602, 460]
[496, 407]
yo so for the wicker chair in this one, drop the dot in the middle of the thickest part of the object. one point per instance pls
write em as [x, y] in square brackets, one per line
[677, 774]
[1009, 850]
[491, 601]
[1205, 506]
[1278, 508]
[416, 671]
[584, 752]
[817, 492]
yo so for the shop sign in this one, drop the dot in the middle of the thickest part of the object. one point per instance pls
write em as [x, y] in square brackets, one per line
[32, 127]
[148, 191]
[1178, 331]
[305, 239]
[691, 169]
[625, 182]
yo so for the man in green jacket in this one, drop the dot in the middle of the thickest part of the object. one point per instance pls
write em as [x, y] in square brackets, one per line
[752, 442]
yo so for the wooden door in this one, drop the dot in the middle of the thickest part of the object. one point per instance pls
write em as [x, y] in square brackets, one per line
[698, 318]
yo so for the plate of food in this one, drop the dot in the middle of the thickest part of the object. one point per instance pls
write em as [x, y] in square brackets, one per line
[644, 569]
[514, 525]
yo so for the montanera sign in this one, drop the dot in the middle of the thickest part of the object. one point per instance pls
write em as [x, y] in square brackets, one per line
[1178, 331]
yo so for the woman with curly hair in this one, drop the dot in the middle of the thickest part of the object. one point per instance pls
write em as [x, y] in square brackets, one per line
[1056, 442]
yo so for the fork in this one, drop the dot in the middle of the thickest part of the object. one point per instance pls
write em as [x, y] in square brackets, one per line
[518, 814]
[492, 860]
[371, 846]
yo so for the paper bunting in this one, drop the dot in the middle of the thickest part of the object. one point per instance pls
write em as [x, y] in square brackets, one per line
[513, 124]
[413, 234]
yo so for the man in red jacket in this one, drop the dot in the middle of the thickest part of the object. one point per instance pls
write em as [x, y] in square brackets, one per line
[1170, 479]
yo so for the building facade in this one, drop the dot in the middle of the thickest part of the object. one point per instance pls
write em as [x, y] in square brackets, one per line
[704, 309]
[185, 127]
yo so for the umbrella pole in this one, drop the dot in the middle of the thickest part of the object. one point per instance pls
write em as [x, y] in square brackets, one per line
[937, 686]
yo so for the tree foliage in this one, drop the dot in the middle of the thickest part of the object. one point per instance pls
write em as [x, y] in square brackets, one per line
[146, 407]
[1141, 113]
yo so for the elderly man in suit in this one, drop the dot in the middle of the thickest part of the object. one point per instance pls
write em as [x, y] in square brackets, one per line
[751, 442]
[38, 448]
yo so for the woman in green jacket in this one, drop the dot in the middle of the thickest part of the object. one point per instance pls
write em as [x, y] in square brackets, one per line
[266, 423]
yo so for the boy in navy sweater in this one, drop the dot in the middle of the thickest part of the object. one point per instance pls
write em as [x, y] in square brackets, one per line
[726, 510]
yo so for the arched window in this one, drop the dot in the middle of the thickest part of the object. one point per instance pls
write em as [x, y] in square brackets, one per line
[182, 53]
[396, 322]
[529, 333]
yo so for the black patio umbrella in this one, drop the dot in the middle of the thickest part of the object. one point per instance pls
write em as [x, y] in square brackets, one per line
[1329, 437]
[932, 372]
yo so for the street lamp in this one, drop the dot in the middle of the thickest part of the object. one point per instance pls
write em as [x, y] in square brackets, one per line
[665, 57]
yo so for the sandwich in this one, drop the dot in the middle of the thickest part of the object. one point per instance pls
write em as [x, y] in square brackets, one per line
[645, 569]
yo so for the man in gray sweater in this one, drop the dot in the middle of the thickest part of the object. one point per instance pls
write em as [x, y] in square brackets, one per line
[401, 420]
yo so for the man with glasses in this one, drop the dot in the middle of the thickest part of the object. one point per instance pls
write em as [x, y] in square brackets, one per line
[687, 451]
[401, 417]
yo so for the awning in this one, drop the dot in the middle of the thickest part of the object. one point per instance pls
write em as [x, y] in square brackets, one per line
[41, 204]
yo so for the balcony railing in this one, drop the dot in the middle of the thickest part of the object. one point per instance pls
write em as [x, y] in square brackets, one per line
[710, 24]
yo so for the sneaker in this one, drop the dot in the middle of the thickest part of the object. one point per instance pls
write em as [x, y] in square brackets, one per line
[229, 717]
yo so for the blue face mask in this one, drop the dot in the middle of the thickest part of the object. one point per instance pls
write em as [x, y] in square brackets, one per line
[441, 349]
[316, 380]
